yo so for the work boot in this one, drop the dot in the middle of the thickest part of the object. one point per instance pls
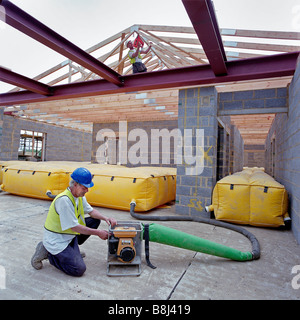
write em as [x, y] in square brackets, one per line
[40, 254]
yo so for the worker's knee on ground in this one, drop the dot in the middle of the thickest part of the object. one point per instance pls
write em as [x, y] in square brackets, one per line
[76, 267]
[78, 270]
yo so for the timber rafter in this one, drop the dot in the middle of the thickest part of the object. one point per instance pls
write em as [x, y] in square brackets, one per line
[173, 48]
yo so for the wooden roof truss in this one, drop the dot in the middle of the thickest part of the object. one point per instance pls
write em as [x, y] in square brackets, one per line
[172, 47]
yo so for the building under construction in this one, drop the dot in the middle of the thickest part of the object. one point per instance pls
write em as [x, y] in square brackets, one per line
[239, 92]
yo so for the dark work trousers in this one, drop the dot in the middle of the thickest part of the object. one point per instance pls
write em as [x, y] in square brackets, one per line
[138, 67]
[69, 260]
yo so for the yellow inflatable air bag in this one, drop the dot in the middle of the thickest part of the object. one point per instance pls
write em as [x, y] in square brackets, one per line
[250, 197]
[114, 186]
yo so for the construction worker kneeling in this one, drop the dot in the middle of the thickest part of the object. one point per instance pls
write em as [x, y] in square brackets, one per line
[66, 227]
[135, 57]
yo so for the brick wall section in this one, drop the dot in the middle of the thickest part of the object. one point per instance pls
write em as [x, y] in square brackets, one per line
[62, 144]
[197, 109]
[269, 149]
[251, 100]
[223, 147]
[254, 155]
[236, 150]
[230, 156]
[221, 153]
[164, 157]
[286, 131]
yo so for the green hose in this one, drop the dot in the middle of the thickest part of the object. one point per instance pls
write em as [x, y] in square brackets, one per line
[175, 238]
[180, 239]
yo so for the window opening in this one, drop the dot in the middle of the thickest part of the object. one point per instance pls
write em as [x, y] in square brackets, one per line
[31, 146]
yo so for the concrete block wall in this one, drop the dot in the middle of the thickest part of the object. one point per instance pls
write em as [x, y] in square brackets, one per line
[250, 101]
[254, 155]
[140, 137]
[197, 110]
[223, 147]
[270, 154]
[286, 132]
[236, 150]
[62, 144]
[273, 100]
[221, 153]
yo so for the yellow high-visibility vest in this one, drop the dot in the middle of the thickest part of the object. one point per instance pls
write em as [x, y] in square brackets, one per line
[53, 221]
[132, 60]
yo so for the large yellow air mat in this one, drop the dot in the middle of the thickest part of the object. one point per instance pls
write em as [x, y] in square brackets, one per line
[4, 164]
[250, 197]
[115, 186]
[33, 179]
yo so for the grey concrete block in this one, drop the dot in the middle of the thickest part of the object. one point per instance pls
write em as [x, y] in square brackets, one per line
[233, 105]
[226, 96]
[256, 103]
[282, 92]
[207, 91]
[265, 93]
[278, 102]
[243, 95]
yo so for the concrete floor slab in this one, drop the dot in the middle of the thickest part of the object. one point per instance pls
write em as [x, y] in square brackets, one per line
[180, 274]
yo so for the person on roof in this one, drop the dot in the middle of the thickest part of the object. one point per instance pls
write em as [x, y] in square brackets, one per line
[135, 57]
[66, 227]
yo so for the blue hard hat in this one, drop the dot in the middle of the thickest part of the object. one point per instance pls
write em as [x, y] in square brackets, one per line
[83, 176]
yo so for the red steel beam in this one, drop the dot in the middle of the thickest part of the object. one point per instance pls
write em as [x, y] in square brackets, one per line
[24, 82]
[216, 27]
[279, 65]
[27, 24]
[204, 21]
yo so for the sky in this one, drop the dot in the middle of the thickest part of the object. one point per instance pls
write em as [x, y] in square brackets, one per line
[88, 22]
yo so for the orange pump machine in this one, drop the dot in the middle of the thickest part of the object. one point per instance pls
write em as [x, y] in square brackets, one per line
[124, 248]
[121, 243]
